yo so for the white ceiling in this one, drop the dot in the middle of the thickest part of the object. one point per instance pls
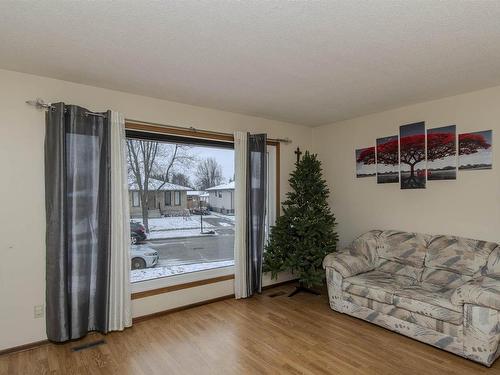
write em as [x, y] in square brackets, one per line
[303, 62]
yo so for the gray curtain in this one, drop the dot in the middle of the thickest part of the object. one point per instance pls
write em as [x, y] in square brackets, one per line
[256, 209]
[77, 193]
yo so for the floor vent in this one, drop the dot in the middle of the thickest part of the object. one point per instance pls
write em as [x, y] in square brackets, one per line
[277, 294]
[88, 345]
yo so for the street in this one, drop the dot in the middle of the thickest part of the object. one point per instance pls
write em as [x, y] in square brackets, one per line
[209, 248]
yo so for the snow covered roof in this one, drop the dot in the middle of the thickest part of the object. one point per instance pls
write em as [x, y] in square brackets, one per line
[228, 186]
[199, 193]
[155, 184]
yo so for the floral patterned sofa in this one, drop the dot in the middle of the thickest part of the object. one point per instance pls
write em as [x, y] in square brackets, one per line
[441, 290]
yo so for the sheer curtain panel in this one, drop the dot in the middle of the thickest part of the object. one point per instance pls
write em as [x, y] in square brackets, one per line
[120, 314]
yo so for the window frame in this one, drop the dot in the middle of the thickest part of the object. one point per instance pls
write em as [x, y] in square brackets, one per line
[167, 134]
[168, 202]
[177, 198]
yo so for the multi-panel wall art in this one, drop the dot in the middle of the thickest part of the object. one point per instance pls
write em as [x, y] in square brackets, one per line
[365, 162]
[442, 153]
[412, 155]
[387, 160]
[416, 157]
[474, 150]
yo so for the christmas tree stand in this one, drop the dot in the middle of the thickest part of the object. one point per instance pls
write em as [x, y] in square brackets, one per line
[304, 289]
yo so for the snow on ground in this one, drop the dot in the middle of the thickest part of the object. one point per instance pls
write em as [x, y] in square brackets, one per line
[181, 233]
[153, 273]
[227, 217]
[175, 222]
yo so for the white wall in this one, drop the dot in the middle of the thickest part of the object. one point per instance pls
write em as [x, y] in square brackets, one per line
[22, 222]
[469, 206]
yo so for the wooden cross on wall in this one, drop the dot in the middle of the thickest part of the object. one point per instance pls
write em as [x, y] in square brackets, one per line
[298, 153]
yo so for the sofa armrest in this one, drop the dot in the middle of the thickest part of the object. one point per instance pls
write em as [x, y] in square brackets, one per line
[348, 264]
[481, 291]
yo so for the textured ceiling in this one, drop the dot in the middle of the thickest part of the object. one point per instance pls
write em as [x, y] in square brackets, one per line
[310, 63]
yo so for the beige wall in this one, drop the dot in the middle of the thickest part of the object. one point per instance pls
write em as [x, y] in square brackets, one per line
[22, 223]
[469, 206]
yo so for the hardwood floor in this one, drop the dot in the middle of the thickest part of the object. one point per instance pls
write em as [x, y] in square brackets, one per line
[262, 335]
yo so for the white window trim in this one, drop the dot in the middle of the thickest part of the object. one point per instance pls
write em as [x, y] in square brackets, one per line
[162, 282]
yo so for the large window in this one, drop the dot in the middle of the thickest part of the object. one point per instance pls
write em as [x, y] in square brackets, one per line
[186, 222]
[180, 229]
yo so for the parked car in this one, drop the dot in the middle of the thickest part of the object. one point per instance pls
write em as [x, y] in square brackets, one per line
[143, 256]
[137, 232]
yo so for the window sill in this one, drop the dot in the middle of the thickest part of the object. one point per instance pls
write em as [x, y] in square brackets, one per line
[182, 281]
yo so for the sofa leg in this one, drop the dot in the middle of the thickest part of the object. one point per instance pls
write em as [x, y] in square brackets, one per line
[301, 288]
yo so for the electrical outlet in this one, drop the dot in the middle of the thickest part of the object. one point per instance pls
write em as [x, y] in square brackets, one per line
[39, 311]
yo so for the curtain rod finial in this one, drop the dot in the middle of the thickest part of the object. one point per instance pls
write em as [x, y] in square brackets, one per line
[38, 103]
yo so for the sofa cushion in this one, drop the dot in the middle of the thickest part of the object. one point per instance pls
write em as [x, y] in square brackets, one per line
[442, 278]
[429, 301]
[403, 247]
[457, 254]
[376, 285]
[447, 328]
[395, 268]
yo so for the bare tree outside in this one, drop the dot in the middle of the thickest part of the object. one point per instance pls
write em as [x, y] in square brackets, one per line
[208, 174]
[182, 179]
[154, 160]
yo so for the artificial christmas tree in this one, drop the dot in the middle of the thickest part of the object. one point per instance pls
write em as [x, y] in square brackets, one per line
[305, 233]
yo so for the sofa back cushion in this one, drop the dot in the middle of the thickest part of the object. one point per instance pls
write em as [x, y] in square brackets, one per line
[402, 253]
[444, 279]
[457, 254]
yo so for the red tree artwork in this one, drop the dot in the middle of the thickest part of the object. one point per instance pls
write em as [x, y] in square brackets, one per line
[440, 145]
[365, 162]
[387, 153]
[411, 153]
[470, 143]
[366, 156]
[442, 149]
[387, 160]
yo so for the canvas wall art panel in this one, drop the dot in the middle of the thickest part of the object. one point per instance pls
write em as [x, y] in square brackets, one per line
[412, 155]
[365, 162]
[474, 150]
[442, 153]
[387, 160]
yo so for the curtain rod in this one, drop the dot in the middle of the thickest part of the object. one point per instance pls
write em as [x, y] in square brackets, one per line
[194, 130]
[41, 104]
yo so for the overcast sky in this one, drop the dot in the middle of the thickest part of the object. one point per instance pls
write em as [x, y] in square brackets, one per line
[224, 156]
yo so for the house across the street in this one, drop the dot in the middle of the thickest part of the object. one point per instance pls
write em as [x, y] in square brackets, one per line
[221, 198]
[164, 198]
[197, 197]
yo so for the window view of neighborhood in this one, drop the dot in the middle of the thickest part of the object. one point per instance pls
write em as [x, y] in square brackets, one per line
[181, 208]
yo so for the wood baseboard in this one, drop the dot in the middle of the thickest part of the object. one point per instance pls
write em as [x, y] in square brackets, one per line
[22, 348]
